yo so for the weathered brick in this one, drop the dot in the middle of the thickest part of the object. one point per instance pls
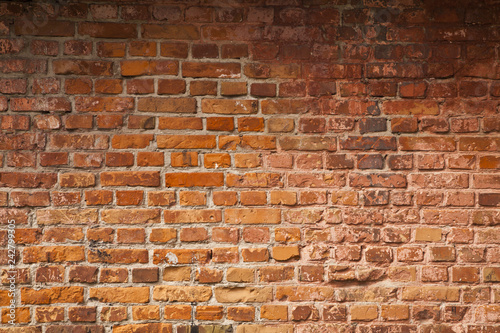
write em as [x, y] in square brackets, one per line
[148, 67]
[107, 30]
[221, 106]
[252, 216]
[130, 216]
[130, 178]
[182, 294]
[52, 295]
[82, 67]
[67, 216]
[118, 256]
[164, 31]
[120, 295]
[169, 105]
[212, 70]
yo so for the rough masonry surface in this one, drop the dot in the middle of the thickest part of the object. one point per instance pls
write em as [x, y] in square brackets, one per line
[257, 166]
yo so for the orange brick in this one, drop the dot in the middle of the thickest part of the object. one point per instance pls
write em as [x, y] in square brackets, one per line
[192, 198]
[178, 312]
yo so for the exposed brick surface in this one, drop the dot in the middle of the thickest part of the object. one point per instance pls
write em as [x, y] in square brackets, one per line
[264, 166]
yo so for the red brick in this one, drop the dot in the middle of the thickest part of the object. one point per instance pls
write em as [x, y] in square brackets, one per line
[366, 143]
[178, 31]
[42, 47]
[21, 159]
[40, 104]
[434, 125]
[261, 71]
[212, 70]
[162, 235]
[77, 47]
[140, 86]
[200, 88]
[130, 236]
[107, 30]
[174, 50]
[253, 198]
[233, 88]
[150, 159]
[165, 198]
[142, 49]
[65, 198]
[82, 67]
[99, 104]
[78, 86]
[247, 141]
[167, 13]
[23, 122]
[13, 86]
[180, 123]
[404, 125]
[428, 143]
[129, 198]
[199, 14]
[82, 314]
[200, 51]
[108, 86]
[171, 87]
[130, 178]
[225, 235]
[224, 198]
[281, 106]
[148, 67]
[23, 66]
[232, 32]
[252, 216]
[213, 179]
[102, 235]
[256, 235]
[192, 198]
[89, 160]
[216, 161]
[263, 89]
[28, 180]
[119, 159]
[78, 121]
[193, 235]
[410, 108]
[36, 199]
[478, 144]
[50, 28]
[98, 197]
[491, 125]
[186, 141]
[245, 314]
[52, 159]
[229, 106]
[177, 105]
[413, 90]
[250, 124]
[46, 86]
[234, 51]
[108, 121]
[131, 141]
[145, 275]
[184, 159]
[111, 49]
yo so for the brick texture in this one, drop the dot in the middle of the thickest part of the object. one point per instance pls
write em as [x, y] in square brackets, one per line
[273, 166]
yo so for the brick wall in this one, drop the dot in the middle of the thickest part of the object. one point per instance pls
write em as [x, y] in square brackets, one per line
[269, 166]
